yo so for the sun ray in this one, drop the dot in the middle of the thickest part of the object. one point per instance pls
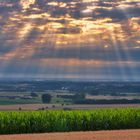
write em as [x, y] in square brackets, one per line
[37, 32]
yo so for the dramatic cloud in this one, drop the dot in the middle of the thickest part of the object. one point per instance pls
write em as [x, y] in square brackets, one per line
[97, 38]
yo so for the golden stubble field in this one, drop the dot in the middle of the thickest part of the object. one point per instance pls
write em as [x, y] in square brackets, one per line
[99, 135]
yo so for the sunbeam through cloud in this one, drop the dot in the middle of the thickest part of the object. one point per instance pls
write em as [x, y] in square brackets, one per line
[91, 39]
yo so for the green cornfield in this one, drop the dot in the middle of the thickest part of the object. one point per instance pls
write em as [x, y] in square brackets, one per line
[65, 121]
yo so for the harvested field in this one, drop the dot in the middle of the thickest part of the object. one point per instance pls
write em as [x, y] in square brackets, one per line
[59, 106]
[100, 135]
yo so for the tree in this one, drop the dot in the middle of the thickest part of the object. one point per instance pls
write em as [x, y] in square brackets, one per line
[46, 98]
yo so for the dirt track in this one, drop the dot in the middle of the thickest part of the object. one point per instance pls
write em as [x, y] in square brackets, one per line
[100, 135]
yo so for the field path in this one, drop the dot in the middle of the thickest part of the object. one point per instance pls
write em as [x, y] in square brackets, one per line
[100, 135]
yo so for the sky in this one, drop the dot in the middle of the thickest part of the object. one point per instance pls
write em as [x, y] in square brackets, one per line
[78, 39]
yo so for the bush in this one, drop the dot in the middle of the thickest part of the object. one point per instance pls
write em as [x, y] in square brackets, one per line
[46, 98]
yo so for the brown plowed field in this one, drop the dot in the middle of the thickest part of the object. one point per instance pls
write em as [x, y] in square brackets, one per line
[100, 135]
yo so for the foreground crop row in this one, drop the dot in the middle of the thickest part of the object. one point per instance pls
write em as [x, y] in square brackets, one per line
[61, 121]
